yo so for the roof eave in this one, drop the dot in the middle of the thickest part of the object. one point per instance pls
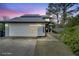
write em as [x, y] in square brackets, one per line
[24, 22]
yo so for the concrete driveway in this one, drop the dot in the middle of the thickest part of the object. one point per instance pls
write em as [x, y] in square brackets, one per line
[50, 46]
[41, 46]
[17, 46]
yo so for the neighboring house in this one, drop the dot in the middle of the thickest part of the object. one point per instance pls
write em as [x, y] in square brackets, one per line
[25, 26]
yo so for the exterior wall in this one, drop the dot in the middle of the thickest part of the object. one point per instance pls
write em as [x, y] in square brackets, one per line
[41, 31]
[25, 29]
[6, 30]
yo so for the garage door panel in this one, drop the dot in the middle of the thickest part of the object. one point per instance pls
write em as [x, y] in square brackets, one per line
[21, 30]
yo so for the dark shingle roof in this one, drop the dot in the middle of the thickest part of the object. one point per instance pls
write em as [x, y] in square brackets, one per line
[27, 18]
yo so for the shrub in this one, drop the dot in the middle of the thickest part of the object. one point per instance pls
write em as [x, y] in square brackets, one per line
[73, 21]
[70, 36]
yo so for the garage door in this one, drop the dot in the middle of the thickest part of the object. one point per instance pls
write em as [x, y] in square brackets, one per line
[22, 30]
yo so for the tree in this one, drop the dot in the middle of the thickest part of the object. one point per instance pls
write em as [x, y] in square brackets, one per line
[63, 9]
[67, 11]
[54, 8]
[73, 21]
[5, 18]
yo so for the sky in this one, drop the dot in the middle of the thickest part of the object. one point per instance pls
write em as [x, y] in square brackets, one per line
[12, 10]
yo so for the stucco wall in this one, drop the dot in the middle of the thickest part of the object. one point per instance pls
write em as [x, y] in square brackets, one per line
[25, 29]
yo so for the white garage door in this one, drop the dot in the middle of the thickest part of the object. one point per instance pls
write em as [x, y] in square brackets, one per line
[22, 30]
[26, 30]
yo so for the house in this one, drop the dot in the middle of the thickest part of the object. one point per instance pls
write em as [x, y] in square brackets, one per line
[26, 26]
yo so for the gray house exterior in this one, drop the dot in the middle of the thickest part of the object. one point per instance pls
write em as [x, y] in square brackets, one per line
[25, 26]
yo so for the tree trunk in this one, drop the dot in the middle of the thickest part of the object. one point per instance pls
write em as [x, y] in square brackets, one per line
[64, 17]
[57, 21]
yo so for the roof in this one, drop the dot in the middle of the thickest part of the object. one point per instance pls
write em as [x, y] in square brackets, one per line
[27, 18]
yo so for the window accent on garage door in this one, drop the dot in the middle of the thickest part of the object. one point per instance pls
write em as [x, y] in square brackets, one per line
[41, 31]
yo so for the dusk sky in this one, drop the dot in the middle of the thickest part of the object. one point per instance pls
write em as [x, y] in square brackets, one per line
[17, 9]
